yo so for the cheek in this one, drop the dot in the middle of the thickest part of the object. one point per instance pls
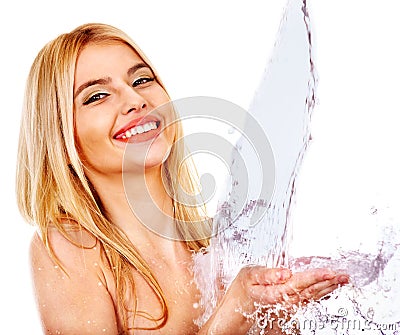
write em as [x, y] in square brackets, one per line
[85, 133]
[158, 98]
[92, 125]
[91, 135]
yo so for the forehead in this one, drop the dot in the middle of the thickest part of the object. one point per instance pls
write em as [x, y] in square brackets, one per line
[98, 60]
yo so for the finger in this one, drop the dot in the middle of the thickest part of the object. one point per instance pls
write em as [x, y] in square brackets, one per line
[314, 291]
[341, 280]
[260, 275]
[304, 286]
[299, 299]
[266, 295]
[325, 292]
[287, 293]
[302, 280]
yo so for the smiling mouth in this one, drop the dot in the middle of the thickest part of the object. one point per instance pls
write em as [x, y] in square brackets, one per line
[138, 130]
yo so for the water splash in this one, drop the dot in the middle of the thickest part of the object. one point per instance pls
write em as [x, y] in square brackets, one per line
[283, 105]
[242, 240]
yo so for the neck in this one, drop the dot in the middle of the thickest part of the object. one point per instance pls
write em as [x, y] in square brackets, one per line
[134, 202]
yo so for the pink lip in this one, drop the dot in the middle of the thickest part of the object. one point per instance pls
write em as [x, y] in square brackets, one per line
[134, 123]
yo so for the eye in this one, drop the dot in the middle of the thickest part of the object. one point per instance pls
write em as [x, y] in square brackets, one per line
[142, 81]
[95, 97]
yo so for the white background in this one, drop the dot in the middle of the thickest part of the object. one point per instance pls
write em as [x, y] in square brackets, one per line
[220, 48]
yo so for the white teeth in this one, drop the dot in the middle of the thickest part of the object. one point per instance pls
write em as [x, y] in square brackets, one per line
[146, 127]
[140, 129]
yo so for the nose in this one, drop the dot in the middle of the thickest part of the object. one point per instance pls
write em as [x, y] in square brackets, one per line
[136, 108]
[132, 101]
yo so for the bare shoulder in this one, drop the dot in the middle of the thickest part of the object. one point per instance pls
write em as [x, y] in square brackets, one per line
[74, 252]
[71, 294]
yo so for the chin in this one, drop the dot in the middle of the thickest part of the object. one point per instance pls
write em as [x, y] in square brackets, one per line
[139, 157]
[157, 154]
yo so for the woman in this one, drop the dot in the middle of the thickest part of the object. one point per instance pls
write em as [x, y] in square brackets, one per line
[97, 269]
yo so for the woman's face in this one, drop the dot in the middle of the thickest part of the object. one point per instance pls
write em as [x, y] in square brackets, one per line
[114, 93]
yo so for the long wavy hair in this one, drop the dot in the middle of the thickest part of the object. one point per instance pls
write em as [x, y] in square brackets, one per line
[52, 188]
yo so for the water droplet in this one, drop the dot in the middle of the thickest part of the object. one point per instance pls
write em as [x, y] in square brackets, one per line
[363, 269]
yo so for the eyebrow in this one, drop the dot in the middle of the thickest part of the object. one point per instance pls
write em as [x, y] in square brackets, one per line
[136, 67]
[101, 81]
[107, 80]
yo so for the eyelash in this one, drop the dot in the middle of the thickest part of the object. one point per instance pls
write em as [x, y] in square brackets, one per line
[142, 81]
[95, 97]
[136, 83]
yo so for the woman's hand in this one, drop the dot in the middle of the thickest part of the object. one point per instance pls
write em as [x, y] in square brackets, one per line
[257, 284]
[272, 286]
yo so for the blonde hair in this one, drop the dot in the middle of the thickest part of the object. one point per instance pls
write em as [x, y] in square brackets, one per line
[51, 185]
